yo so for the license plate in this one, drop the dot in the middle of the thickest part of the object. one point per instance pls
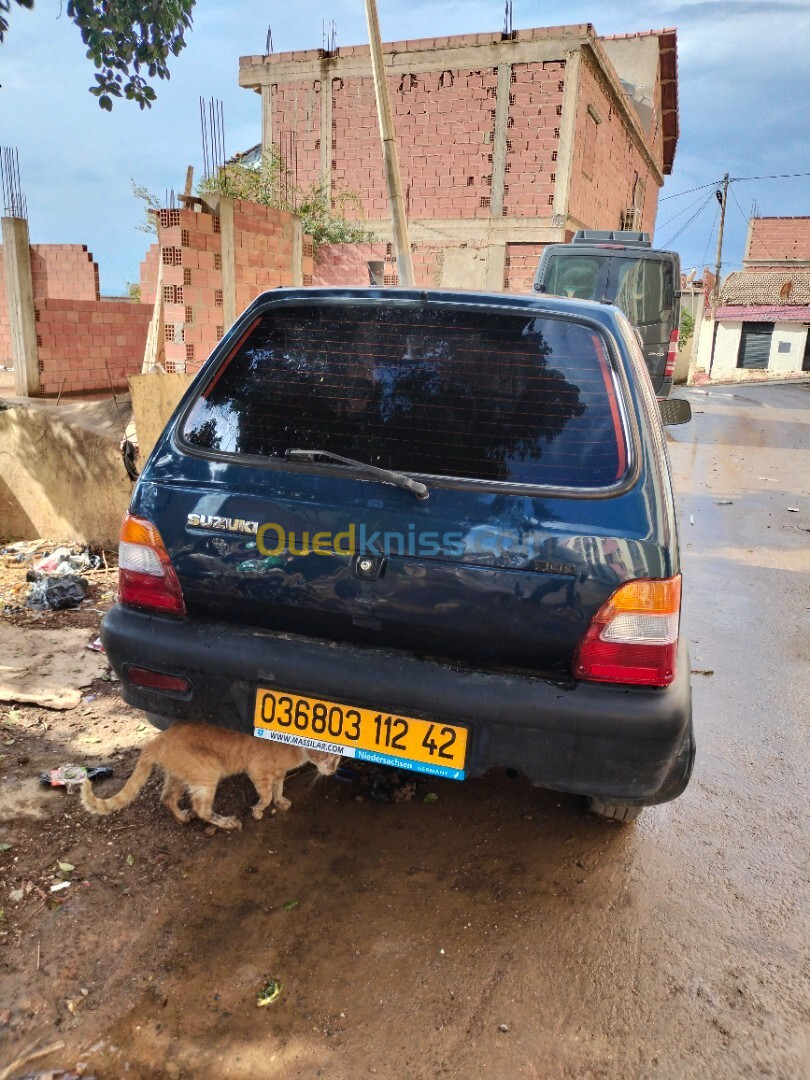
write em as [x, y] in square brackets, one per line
[365, 734]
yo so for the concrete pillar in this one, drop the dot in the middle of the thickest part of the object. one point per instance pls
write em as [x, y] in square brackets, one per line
[20, 299]
[496, 267]
[228, 249]
[297, 252]
[568, 123]
[499, 141]
[326, 122]
[267, 119]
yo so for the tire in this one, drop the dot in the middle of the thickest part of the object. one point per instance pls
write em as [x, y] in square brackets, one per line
[621, 812]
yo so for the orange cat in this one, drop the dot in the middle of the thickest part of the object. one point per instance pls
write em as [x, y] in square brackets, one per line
[197, 756]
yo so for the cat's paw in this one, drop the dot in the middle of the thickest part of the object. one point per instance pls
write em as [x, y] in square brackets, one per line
[283, 804]
[230, 823]
[257, 814]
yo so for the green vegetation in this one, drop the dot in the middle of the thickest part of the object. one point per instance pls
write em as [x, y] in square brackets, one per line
[687, 329]
[322, 212]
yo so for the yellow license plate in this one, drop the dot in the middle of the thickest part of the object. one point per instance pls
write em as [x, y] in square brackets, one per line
[365, 734]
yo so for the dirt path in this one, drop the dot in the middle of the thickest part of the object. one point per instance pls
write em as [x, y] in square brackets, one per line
[675, 948]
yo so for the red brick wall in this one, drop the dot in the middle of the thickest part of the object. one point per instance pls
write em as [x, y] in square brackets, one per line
[148, 273]
[63, 272]
[191, 250]
[432, 112]
[296, 113]
[58, 271]
[79, 341]
[602, 190]
[347, 264]
[533, 138]
[521, 265]
[777, 238]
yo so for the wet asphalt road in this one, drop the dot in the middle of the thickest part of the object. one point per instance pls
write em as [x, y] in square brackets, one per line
[501, 931]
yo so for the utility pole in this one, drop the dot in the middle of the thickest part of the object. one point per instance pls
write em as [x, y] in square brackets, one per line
[399, 219]
[722, 198]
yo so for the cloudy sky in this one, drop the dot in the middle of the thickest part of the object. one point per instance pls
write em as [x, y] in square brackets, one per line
[744, 105]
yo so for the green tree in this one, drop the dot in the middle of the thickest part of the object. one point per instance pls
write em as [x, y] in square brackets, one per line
[130, 42]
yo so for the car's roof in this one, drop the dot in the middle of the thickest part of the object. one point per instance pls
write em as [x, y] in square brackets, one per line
[533, 303]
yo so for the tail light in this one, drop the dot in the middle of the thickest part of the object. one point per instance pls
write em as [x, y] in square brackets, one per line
[146, 577]
[672, 354]
[633, 638]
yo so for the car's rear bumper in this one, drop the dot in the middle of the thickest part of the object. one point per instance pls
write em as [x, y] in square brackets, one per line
[625, 744]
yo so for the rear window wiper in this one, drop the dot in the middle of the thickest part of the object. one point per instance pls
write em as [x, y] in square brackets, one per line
[386, 475]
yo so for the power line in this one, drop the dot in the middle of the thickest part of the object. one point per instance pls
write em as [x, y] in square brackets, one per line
[745, 219]
[689, 191]
[776, 176]
[674, 217]
[711, 234]
[699, 211]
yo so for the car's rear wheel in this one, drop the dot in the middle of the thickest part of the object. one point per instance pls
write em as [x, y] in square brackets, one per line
[622, 812]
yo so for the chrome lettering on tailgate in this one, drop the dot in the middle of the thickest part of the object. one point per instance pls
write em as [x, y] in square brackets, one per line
[221, 524]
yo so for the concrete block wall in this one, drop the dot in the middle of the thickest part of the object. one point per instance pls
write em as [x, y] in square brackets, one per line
[296, 109]
[521, 265]
[190, 247]
[263, 251]
[191, 252]
[64, 272]
[347, 265]
[533, 138]
[606, 162]
[58, 271]
[149, 273]
[83, 344]
[773, 239]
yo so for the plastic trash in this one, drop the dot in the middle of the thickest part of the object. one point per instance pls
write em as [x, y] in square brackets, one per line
[56, 593]
[71, 776]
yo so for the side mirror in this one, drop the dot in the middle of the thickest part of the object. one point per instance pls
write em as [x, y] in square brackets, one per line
[674, 411]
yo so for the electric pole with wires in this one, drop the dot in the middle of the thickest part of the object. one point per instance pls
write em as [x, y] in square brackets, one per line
[722, 197]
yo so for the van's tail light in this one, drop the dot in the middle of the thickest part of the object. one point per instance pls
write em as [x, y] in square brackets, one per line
[633, 638]
[146, 577]
[672, 354]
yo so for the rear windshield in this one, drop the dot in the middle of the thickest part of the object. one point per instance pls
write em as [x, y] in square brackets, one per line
[643, 288]
[421, 388]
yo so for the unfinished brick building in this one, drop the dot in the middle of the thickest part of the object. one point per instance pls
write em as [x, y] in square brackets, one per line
[506, 143]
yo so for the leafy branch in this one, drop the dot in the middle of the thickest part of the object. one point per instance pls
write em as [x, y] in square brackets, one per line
[130, 42]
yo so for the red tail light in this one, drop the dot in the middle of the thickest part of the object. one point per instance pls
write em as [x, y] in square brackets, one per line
[157, 680]
[672, 354]
[146, 577]
[633, 638]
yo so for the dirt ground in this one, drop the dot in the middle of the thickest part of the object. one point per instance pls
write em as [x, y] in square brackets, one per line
[497, 931]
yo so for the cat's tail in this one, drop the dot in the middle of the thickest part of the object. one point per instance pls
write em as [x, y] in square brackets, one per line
[125, 796]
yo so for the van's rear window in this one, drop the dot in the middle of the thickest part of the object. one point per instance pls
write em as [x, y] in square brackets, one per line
[424, 388]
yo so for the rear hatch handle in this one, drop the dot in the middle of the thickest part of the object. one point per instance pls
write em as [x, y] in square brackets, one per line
[387, 476]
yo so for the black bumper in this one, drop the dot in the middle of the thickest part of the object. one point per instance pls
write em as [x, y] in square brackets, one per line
[623, 744]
